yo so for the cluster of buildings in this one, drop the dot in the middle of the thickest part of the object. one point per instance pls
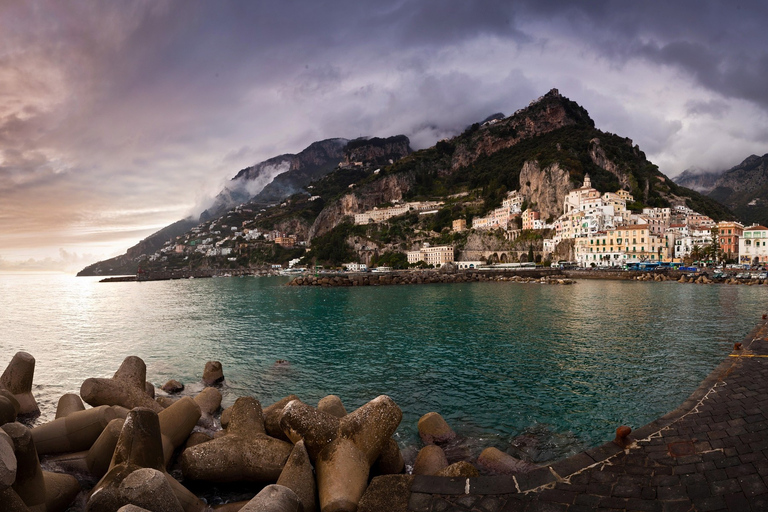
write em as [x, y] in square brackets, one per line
[432, 255]
[606, 233]
[383, 214]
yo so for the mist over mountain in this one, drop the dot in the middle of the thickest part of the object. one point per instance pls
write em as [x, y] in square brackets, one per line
[743, 188]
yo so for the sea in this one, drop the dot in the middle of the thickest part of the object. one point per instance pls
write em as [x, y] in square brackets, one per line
[539, 371]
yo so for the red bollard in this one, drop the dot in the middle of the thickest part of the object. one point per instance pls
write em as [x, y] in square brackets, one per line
[622, 436]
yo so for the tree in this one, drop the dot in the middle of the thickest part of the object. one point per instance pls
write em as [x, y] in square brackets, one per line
[530, 252]
[714, 246]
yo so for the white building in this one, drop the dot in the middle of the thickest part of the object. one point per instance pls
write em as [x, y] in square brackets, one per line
[753, 245]
[436, 256]
[383, 214]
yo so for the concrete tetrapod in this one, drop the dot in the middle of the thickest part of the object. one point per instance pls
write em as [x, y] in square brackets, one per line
[94, 462]
[433, 429]
[245, 453]
[274, 498]
[139, 446]
[213, 373]
[272, 415]
[7, 411]
[209, 401]
[176, 423]
[76, 431]
[68, 403]
[344, 461]
[332, 405]
[17, 378]
[126, 388]
[298, 476]
[40, 490]
[500, 463]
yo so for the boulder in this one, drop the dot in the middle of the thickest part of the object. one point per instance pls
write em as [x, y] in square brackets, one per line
[176, 423]
[77, 431]
[245, 453]
[500, 463]
[390, 462]
[433, 429]
[173, 386]
[272, 415]
[299, 477]
[68, 403]
[126, 388]
[148, 488]
[430, 460]
[17, 378]
[39, 490]
[209, 401]
[345, 454]
[213, 373]
[332, 405]
[139, 446]
[274, 498]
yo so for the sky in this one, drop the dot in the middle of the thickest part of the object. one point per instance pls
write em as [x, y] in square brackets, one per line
[119, 118]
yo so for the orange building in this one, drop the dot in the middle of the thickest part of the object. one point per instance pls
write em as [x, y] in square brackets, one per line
[729, 233]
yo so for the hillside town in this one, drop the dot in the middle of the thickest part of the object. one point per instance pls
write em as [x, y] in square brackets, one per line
[604, 233]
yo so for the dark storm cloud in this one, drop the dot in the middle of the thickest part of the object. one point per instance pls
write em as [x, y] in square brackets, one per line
[145, 107]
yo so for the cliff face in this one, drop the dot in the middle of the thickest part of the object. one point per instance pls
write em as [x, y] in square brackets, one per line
[545, 189]
[376, 151]
[388, 189]
[598, 156]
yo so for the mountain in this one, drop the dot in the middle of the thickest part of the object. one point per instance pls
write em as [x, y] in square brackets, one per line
[126, 264]
[700, 181]
[543, 151]
[278, 177]
[267, 182]
[742, 188]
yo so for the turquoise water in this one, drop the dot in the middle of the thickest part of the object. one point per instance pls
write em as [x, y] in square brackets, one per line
[564, 365]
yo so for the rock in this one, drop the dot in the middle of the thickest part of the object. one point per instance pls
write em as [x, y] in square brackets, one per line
[148, 488]
[500, 463]
[272, 417]
[209, 400]
[126, 388]
[430, 460]
[7, 461]
[245, 453]
[7, 411]
[173, 386]
[389, 492]
[196, 438]
[149, 389]
[390, 462]
[332, 405]
[433, 429]
[75, 432]
[68, 403]
[38, 489]
[274, 498]
[139, 446]
[346, 454]
[213, 373]
[299, 477]
[176, 423]
[165, 401]
[17, 378]
[461, 469]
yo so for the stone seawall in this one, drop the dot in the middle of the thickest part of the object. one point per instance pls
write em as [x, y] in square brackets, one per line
[548, 276]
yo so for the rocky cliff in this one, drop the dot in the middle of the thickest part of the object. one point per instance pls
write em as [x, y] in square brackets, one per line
[390, 188]
[700, 181]
[547, 113]
[545, 189]
[375, 151]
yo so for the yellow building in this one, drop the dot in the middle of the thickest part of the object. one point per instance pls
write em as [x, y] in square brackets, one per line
[459, 225]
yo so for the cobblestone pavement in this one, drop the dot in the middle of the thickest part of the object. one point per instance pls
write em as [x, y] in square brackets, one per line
[709, 454]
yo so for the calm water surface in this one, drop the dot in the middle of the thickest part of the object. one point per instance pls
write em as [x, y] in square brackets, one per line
[562, 364]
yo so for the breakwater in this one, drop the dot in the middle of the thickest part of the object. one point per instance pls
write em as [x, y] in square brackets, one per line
[428, 277]
[190, 274]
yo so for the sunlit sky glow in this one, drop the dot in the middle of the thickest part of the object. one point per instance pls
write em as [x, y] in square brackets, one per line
[118, 118]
